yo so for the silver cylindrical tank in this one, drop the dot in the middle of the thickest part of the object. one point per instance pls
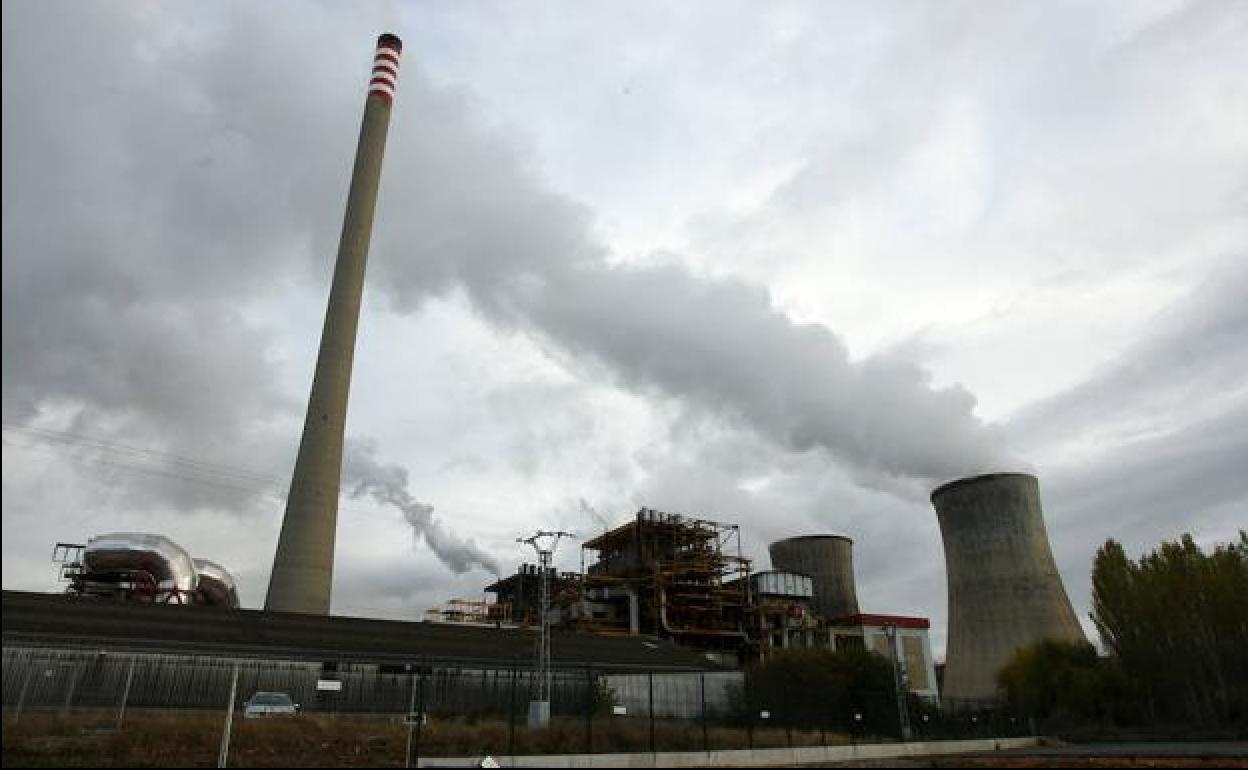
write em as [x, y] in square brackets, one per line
[216, 585]
[166, 561]
[778, 583]
[829, 560]
[1004, 589]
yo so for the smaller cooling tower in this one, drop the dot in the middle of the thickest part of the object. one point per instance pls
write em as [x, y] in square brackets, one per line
[829, 561]
[1004, 589]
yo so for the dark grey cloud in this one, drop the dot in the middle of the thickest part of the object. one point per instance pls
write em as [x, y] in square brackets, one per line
[1153, 444]
[1189, 360]
[146, 208]
[209, 184]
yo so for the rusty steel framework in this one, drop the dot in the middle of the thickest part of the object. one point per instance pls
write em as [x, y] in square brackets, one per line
[684, 578]
[474, 611]
[519, 594]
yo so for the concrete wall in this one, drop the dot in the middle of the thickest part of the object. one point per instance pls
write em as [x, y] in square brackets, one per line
[745, 757]
[1004, 588]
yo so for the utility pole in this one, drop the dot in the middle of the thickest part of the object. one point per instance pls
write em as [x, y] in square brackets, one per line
[544, 543]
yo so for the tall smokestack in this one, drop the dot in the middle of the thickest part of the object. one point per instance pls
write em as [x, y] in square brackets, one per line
[829, 561]
[303, 569]
[1004, 589]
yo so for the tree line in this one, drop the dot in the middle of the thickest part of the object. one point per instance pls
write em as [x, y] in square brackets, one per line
[1174, 625]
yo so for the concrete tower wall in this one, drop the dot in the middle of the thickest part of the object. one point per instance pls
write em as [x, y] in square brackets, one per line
[1004, 588]
[303, 568]
[829, 560]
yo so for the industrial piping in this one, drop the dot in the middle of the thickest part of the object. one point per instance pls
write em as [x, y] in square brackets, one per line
[165, 561]
[217, 586]
[303, 567]
[1005, 592]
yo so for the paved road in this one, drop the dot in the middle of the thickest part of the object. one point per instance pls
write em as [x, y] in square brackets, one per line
[1230, 749]
[1218, 753]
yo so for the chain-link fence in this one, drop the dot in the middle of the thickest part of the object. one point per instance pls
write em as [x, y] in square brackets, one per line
[92, 708]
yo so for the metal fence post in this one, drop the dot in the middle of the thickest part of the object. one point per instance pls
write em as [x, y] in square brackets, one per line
[420, 721]
[73, 685]
[411, 709]
[125, 695]
[511, 716]
[650, 679]
[706, 740]
[224, 754]
[591, 702]
[749, 712]
[21, 696]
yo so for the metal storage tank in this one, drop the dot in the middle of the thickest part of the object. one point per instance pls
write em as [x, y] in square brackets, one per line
[829, 560]
[1004, 589]
[166, 561]
[216, 585]
[778, 583]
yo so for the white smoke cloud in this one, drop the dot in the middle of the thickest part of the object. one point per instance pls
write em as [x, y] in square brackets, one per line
[716, 343]
[364, 474]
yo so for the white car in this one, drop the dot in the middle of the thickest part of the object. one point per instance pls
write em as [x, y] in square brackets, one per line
[268, 704]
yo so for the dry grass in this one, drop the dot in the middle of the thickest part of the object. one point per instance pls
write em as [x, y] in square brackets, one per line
[192, 739]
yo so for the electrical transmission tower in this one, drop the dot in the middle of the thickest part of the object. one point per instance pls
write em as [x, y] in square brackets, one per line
[545, 544]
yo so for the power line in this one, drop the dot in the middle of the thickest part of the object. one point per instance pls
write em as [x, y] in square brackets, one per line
[68, 438]
[191, 470]
[149, 469]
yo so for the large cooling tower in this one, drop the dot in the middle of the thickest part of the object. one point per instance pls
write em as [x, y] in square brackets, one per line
[303, 568]
[829, 560]
[1004, 588]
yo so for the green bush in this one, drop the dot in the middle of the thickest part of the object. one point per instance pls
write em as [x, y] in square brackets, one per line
[821, 688]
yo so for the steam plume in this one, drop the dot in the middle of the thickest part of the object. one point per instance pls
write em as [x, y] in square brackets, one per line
[364, 475]
[528, 259]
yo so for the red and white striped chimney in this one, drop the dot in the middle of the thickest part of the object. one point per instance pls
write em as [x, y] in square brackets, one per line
[303, 566]
[386, 67]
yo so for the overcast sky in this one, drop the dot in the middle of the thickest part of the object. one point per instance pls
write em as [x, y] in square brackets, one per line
[786, 265]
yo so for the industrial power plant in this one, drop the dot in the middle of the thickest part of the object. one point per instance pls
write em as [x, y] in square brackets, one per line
[684, 581]
[661, 589]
